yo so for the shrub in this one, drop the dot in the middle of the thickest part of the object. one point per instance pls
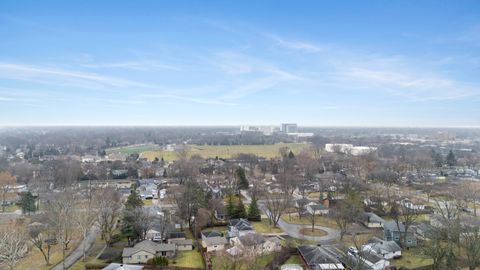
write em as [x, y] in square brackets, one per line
[96, 265]
[161, 261]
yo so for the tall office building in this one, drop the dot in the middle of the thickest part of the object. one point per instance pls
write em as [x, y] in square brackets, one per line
[289, 128]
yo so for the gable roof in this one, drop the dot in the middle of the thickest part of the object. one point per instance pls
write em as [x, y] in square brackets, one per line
[315, 255]
[215, 241]
[149, 247]
[209, 234]
[241, 224]
[176, 235]
[371, 217]
[381, 246]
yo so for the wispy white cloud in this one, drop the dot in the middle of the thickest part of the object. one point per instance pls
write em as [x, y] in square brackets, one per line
[296, 45]
[132, 65]
[394, 75]
[56, 75]
[205, 101]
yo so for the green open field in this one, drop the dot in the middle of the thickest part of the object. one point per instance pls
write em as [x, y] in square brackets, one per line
[134, 149]
[150, 151]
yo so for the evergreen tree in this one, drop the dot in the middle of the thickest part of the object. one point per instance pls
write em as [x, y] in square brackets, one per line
[28, 203]
[133, 200]
[240, 211]
[451, 159]
[242, 179]
[291, 155]
[164, 173]
[253, 211]
[231, 207]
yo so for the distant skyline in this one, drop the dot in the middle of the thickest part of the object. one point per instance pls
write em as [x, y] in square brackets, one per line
[178, 63]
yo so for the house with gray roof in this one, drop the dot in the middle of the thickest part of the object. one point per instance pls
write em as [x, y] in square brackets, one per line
[320, 257]
[213, 241]
[394, 232]
[146, 250]
[371, 220]
[387, 249]
[239, 227]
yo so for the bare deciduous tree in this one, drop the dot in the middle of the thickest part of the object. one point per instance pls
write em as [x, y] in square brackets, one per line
[7, 181]
[84, 219]
[13, 245]
[471, 243]
[277, 204]
[346, 212]
[60, 214]
[402, 214]
[41, 238]
[109, 206]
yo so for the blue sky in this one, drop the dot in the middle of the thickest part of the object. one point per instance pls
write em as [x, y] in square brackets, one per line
[317, 63]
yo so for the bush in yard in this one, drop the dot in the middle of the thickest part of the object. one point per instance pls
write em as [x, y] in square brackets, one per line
[97, 265]
[161, 261]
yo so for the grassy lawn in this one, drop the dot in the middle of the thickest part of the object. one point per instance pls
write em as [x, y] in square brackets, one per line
[225, 151]
[11, 208]
[316, 232]
[294, 259]
[147, 202]
[295, 242]
[411, 259]
[360, 239]
[34, 260]
[189, 259]
[80, 265]
[319, 220]
[134, 149]
[264, 227]
[252, 263]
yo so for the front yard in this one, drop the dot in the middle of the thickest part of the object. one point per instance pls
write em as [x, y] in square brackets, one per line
[265, 227]
[411, 259]
[319, 221]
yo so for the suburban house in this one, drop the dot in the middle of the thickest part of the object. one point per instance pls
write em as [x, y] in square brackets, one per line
[220, 215]
[146, 250]
[365, 260]
[213, 241]
[416, 205]
[154, 234]
[387, 249]
[303, 202]
[320, 257]
[256, 244]
[182, 244]
[317, 209]
[394, 232]
[239, 227]
[175, 236]
[371, 220]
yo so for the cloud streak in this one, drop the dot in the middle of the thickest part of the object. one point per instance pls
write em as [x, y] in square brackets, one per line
[55, 75]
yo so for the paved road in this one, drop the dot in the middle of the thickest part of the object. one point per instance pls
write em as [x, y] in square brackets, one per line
[77, 254]
[293, 230]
